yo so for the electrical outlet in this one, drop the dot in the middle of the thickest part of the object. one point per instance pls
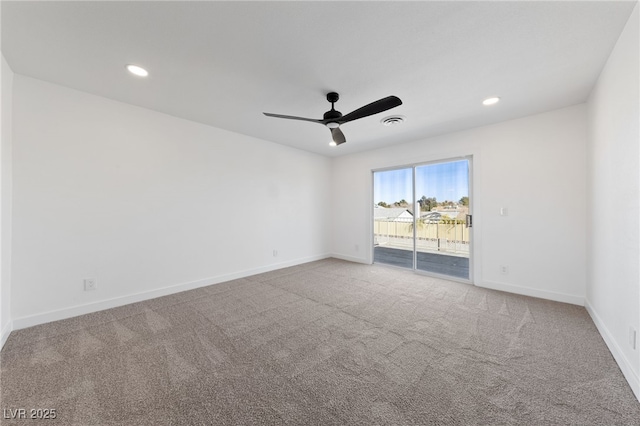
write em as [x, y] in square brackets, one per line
[90, 284]
[275, 253]
[357, 247]
[504, 269]
[504, 211]
[632, 337]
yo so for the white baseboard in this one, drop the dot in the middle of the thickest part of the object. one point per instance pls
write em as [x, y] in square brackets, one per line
[533, 292]
[4, 334]
[618, 354]
[350, 258]
[73, 311]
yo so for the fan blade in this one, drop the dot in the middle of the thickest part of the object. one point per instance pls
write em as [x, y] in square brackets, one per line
[338, 136]
[373, 108]
[291, 117]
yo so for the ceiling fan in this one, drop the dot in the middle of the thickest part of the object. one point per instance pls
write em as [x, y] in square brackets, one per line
[333, 119]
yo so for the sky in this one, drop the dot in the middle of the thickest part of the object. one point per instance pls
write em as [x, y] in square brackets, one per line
[445, 181]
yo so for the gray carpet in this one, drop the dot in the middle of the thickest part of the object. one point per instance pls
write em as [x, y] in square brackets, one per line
[324, 343]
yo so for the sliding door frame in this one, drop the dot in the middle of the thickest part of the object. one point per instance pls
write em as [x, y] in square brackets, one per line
[413, 166]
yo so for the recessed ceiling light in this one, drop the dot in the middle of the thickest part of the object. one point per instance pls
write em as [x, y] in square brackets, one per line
[333, 143]
[136, 70]
[491, 101]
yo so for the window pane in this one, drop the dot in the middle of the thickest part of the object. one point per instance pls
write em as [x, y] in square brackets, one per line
[393, 217]
[442, 238]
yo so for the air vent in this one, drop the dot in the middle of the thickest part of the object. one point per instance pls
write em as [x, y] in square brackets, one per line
[393, 120]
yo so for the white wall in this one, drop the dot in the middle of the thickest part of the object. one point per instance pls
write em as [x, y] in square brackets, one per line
[6, 77]
[534, 166]
[143, 201]
[613, 296]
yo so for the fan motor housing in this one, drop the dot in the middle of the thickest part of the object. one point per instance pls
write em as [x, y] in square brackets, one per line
[333, 114]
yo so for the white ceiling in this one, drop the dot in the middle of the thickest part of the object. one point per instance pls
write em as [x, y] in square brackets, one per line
[224, 63]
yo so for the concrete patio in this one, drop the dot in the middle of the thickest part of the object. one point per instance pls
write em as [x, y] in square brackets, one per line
[455, 266]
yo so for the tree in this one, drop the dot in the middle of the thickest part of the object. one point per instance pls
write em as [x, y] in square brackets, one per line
[401, 203]
[426, 204]
[464, 201]
[383, 204]
[423, 203]
[421, 223]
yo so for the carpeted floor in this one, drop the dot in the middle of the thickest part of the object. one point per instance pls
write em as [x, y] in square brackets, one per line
[324, 343]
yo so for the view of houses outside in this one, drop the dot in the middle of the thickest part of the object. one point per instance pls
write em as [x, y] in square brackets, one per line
[442, 229]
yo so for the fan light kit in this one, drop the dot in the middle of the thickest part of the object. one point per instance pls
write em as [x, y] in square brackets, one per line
[491, 101]
[334, 119]
[136, 70]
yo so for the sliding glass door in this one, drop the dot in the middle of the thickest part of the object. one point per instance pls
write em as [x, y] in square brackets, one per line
[442, 232]
[422, 218]
[393, 240]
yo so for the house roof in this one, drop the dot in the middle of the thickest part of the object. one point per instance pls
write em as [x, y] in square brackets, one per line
[389, 213]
